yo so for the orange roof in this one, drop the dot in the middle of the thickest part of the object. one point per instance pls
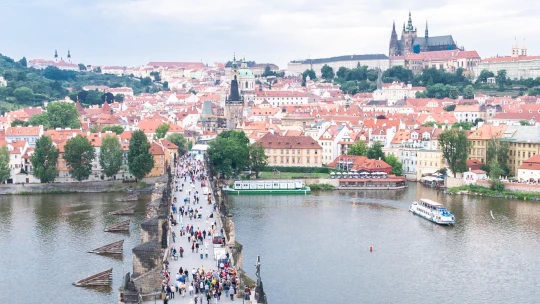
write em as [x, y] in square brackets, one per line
[532, 163]
[156, 149]
[15, 131]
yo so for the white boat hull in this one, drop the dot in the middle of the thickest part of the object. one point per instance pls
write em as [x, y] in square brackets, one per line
[432, 216]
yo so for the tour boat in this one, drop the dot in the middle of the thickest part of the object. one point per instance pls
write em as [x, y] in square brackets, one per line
[432, 211]
[268, 187]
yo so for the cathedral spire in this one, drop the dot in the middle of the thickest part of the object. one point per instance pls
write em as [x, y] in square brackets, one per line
[409, 23]
[393, 26]
[55, 54]
[427, 35]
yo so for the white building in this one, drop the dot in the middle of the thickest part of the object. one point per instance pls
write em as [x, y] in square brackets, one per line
[372, 61]
[470, 177]
[529, 171]
[518, 65]
[395, 91]
[28, 134]
[281, 98]
[3, 82]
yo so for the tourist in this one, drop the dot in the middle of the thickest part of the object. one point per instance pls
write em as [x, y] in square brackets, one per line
[231, 291]
[190, 288]
[247, 293]
[181, 252]
[173, 237]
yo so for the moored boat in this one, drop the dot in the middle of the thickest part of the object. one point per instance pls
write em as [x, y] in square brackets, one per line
[432, 211]
[268, 187]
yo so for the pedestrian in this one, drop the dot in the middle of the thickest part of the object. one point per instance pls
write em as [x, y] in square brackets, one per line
[197, 247]
[215, 297]
[193, 247]
[181, 252]
[190, 288]
[231, 291]
[173, 237]
[206, 251]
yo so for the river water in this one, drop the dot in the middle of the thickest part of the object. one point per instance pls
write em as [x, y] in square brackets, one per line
[315, 249]
[44, 241]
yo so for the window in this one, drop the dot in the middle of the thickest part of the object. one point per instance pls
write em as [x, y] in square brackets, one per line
[307, 151]
[281, 151]
[307, 160]
[281, 161]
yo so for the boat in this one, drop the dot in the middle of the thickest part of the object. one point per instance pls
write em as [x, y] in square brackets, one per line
[268, 187]
[432, 211]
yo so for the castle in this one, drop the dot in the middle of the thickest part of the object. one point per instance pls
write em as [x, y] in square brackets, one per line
[410, 43]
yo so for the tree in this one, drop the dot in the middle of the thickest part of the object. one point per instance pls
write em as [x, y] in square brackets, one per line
[455, 148]
[465, 125]
[468, 92]
[420, 94]
[498, 150]
[166, 85]
[62, 115]
[24, 95]
[156, 76]
[93, 97]
[110, 156]
[44, 160]
[180, 141]
[450, 108]
[119, 97]
[501, 78]
[5, 172]
[161, 130]
[140, 160]
[229, 152]
[146, 81]
[82, 67]
[79, 155]
[109, 97]
[189, 145]
[397, 167]
[484, 75]
[310, 73]
[495, 172]
[39, 120]
[327, 72]
[257, 158]
[18, 122]
[397, 73]
[375, 151]
[359, 148]
[116, 129]
[524, 122]
[342, 72]
[23, 62]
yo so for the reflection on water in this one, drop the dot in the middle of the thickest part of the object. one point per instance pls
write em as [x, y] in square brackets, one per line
[313, 247]
[46, 239]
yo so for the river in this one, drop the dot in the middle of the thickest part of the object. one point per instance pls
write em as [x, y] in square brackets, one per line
[44, 242]
[315, 248]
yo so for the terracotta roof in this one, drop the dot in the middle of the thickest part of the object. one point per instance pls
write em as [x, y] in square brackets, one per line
[532, 163]
[362, 163]
[271, 141]
[156, 149]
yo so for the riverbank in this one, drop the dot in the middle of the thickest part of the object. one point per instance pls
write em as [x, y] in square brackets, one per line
[83, 187]
[484, 191]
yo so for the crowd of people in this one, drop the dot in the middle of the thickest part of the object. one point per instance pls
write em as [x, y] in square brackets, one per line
[199, 284]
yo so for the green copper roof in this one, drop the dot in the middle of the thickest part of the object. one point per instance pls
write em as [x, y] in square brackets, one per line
[246, 73]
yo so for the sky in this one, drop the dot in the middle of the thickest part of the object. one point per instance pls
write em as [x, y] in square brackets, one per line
[134, 32]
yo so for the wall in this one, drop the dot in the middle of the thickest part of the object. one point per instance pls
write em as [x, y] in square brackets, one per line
[451, 182]
[514, 186]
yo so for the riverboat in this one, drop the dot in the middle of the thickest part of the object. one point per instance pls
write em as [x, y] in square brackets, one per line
[268, 187]
[432, 211]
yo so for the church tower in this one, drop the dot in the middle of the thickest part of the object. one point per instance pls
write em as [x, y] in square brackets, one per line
[408, 36]
[524, 49]
[234, 103]
[69, 56]
[55, 55]
[515, 49]
[394, 47]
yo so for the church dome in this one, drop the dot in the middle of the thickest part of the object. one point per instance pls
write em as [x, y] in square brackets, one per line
[246, 73]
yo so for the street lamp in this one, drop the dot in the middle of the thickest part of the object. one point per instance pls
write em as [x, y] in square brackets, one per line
[155, 294]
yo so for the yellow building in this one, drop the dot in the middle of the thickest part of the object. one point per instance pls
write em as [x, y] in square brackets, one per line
[301, 151]
[524, 143]
[159, 160]
[479, 139]
[170, 150]
[428, 162]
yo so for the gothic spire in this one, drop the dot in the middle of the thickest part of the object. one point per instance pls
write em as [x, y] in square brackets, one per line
[69, 55]
[409, 23]
[427, 35]
[55, 54]
[393, 26]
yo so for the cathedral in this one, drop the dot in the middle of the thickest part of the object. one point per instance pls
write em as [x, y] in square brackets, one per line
[410, 43]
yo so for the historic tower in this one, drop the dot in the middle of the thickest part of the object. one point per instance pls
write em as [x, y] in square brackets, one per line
[234, 104]
[394, 46]
[407, 37]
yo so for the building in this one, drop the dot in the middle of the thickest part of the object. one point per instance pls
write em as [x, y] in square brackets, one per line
[524, 143]
[479, 139]
[449, 60]
[302, 151]
[469, 113]
[470, 177]
[411, 43]
[428, 162]
[159, 160]
[28, 134]
[170, 150]
[3, 82]
[61, 64]
[281, 98]
[518, 65]
[360, 164]
[372, 61]
[529, 171]
[392, 92]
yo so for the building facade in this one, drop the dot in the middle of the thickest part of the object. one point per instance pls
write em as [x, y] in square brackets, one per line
[301, 151]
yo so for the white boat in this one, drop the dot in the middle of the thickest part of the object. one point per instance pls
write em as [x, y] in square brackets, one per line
[432, 211]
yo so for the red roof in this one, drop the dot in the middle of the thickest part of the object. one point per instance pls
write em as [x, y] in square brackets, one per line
[532, 163]
[271, 141]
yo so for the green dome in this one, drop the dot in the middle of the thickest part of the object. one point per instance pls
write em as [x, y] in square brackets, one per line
[246, 73]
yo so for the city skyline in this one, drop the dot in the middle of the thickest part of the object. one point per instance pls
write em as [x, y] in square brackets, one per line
[135, 32]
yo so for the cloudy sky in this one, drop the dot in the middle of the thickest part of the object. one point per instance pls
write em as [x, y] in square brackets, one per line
[134, 32]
